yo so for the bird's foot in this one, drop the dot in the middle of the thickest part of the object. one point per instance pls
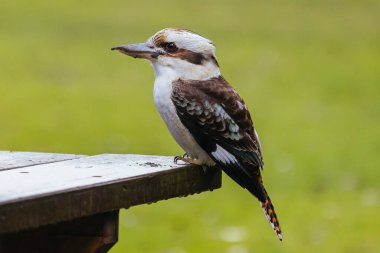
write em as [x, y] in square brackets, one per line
[187, 159]
[181, 158]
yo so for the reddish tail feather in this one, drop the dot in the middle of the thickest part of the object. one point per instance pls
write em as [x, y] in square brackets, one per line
[269, 212]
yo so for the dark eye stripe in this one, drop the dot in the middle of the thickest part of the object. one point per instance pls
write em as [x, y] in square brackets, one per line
[190, 56]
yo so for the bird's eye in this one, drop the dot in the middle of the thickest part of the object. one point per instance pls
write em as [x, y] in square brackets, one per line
[170, 47]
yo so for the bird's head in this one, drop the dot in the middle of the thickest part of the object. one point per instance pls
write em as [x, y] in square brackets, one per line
[177, 52]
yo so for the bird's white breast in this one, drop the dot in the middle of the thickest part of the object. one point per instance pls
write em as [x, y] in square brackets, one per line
[162, 99]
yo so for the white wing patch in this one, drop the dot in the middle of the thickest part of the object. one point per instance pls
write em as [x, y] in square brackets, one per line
[223, 155]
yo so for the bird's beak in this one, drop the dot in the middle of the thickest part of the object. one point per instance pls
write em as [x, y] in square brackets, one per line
[140, 50]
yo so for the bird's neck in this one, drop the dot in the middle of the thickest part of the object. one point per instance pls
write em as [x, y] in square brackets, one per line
[186, 71]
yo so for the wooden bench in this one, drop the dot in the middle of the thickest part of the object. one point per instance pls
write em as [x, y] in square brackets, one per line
[70, 203]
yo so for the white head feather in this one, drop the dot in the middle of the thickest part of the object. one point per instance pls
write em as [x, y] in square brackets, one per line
[190, 45]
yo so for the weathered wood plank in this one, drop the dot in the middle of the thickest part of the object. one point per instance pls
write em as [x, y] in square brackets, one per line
[12, 160]
[92, 234]
[53, 178]
[50, 193]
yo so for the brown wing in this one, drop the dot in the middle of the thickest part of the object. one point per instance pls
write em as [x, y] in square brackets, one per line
[219, 121]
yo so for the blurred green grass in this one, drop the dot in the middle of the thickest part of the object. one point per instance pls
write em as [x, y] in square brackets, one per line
[308, 70]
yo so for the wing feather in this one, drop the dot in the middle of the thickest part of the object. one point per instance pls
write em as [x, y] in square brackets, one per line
[213, 111]
[219, 121]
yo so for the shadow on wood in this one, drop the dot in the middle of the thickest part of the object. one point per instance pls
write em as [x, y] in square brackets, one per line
[92, 234]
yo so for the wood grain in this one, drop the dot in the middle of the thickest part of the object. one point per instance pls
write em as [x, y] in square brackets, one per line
[12, 160]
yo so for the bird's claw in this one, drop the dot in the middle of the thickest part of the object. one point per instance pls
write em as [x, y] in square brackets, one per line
[185, 157]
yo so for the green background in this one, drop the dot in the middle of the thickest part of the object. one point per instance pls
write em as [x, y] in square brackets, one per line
[308, 70]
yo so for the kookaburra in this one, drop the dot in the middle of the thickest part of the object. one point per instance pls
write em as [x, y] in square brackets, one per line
[205, 115]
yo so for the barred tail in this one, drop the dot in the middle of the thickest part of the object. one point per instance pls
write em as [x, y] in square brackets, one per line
[271, 215]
